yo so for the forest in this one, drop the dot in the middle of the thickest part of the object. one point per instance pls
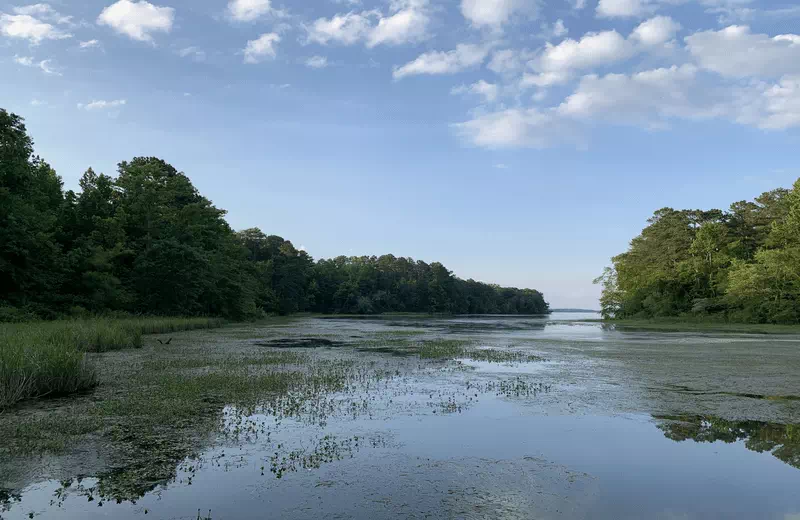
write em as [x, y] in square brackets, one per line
[146, 242]
[737, 265]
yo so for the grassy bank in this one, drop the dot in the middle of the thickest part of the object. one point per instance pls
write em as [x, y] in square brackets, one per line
[41, 359]
[691, 325]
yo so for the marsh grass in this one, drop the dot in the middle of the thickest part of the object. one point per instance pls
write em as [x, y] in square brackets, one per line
[48, 359]
[502, 356]
[443, 349]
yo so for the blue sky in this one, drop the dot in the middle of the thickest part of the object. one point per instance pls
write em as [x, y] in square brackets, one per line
[520, 142]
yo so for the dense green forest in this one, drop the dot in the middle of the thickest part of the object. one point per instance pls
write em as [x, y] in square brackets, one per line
[742, 264]
[147, 242]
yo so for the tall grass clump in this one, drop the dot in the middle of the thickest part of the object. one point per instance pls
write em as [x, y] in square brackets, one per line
[39, 364]
[43, 359]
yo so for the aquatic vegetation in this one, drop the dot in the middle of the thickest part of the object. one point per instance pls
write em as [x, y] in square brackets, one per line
[7, 499]
[36, 364]
[442, 348]
[329, 449]
[493, 355]
[303, 342]
[48, 359]
[223, 402]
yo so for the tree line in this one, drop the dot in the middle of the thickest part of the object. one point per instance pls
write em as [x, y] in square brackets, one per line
[742, 264]
[147, 242]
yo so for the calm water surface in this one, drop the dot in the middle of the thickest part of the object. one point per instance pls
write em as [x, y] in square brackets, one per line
[612, 424]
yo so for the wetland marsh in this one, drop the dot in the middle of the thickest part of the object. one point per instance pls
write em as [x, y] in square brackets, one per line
[413, 417]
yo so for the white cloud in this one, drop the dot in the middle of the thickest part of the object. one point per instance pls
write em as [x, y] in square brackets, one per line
[489, 91]
[511, 128]
[195, 53]
[770, 106]
[249, 10]
[25, 61]
[262, 47]
[509, 61]
[495, 13]
[559, 29]
[317, 62]
[462, 57]
[407, 22]
[649, 98]
[557, 62]
[43, 65]
[544, 79]
[90, 44]
[102, 104]
[44, 12]
[736, 52]
[137, 20]
[47, 69]
[28, 27]
[623, 8]
[656, 31]
[38, 103]
[346, 29]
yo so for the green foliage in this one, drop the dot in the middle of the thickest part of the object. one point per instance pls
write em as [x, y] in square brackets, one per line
[147, 242]
[369, 284]
[742, 264]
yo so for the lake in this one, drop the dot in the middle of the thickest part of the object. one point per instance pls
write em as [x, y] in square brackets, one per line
[466, 417]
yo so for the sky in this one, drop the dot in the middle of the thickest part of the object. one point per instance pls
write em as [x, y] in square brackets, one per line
[519, 142]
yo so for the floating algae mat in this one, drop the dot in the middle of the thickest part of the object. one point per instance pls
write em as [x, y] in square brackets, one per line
[464, 417]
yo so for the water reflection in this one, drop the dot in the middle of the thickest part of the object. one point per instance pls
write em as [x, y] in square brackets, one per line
[782, 440]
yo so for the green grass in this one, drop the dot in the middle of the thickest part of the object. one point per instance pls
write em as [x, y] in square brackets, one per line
[48, 359]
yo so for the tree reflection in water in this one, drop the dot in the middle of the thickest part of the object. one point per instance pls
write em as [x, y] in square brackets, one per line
[782, 440]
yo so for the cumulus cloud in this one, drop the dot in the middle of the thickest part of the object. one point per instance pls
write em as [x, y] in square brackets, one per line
[102, 104]
[738, 53]
[648, 98]
[44, 12]
[261, 48]
[34, 23]
[317, 62]
[770, 106]
[495, 13]
[556, 63]
[488, 91]
[249, 10]
[407, 22]
[137, 20]
[623, 8]
[346, 29]
[656, 31]
[462, 57]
